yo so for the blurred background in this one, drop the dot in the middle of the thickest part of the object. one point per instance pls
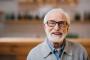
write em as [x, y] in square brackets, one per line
[24, 18]
[21, 21]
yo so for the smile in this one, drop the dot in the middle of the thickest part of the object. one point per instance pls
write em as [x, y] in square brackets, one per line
[57, 33]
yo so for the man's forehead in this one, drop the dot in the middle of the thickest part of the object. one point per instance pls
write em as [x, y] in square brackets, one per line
[56, 16]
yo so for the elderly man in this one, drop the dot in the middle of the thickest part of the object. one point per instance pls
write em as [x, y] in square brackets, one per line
[55, 46]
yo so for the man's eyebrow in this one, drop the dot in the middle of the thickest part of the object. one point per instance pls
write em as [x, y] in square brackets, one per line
[56, 21]
[51, 20]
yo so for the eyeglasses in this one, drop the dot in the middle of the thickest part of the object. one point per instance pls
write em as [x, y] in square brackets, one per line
[61, 24]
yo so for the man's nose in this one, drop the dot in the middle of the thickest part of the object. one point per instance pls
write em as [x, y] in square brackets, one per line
[57, 27]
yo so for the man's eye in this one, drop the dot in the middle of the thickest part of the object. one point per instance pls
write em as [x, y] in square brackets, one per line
[52, 22]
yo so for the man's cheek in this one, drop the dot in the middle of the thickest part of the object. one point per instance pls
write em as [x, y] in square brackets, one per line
[65, 31]
[48, 30]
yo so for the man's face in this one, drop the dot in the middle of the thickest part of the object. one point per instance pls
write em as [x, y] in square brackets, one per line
[56, 27]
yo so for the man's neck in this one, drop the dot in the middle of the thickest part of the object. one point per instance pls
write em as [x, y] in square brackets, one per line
[57, 45]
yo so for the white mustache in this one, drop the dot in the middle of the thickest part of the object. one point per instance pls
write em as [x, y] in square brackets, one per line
[55, 38]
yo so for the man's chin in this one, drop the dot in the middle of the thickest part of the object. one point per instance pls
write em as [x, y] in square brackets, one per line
[57, 38]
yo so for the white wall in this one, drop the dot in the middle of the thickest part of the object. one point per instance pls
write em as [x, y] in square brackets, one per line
[8, 6]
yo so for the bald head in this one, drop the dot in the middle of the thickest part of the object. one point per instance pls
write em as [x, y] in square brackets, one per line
[57, 14]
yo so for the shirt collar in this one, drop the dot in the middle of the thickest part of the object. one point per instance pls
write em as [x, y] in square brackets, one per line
[47, 50]
[67, 49]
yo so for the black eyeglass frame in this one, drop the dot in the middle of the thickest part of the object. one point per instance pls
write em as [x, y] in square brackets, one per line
[60, 23]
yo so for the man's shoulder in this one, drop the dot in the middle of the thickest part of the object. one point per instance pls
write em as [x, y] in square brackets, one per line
[76, 45]
[35, 52]
[37, 48]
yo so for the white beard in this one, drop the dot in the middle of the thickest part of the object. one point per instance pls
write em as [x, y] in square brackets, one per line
[55, 38]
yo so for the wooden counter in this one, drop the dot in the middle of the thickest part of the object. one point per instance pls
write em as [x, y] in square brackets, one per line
[18, 48]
